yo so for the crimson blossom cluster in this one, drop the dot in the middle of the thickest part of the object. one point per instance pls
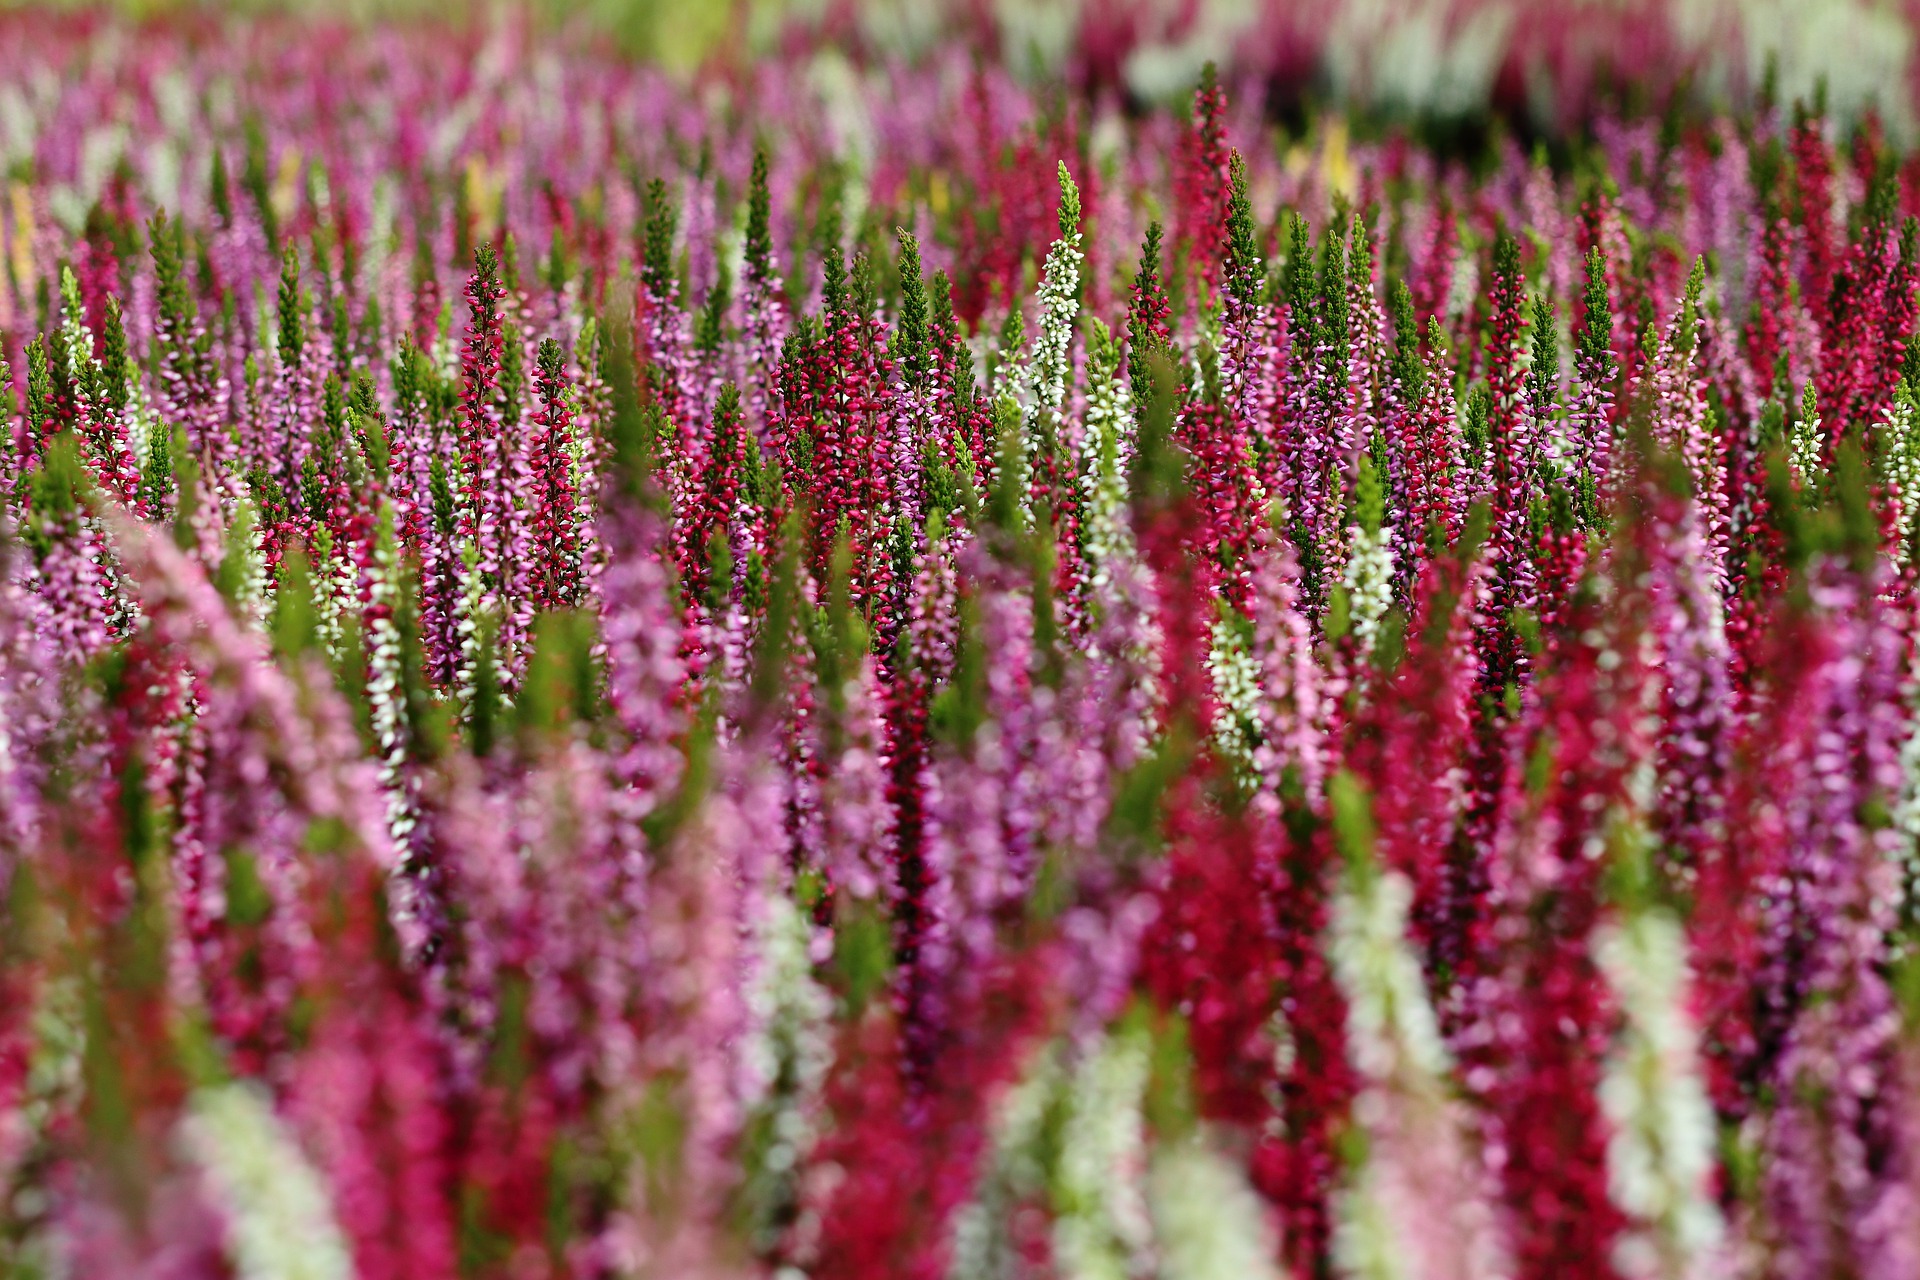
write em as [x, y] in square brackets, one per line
[863, 672]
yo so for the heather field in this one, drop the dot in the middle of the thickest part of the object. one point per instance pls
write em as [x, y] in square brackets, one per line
[891, 644]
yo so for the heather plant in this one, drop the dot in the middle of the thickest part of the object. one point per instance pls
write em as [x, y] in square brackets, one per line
[871, 670]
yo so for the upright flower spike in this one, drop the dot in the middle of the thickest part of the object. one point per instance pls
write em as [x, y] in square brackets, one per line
[1677, 407]
[1203, 189]
[481, 433]
[637, 601]
[915, 427]
[1543, 387]
[281, 443]
[1225, 488]
[555, 579]
[849, 753]
[1506, 420]
[1822, 1014]
[1245, 344]
[1431, 495]
[1590, 426]
[38, 423]
[1147, 315]
[1897, 455]
[1367, 578]
[1319, 404]
[76, 606]
[1410, 747]
[279, 1208]
[958, 405]
[910, 346]
[1416, 1206]
[665, 327]
[712, 498]
[1549, 1015]
[1106, 456]
[1661, 1153]
[1513, 478]
[1292, 708]
[764, 320]
[1813, 197]
[1366, 347]
[387, 684]
[1045, 378]
[102, 384]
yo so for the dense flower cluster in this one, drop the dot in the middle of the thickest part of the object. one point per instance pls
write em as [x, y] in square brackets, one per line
[857, 673]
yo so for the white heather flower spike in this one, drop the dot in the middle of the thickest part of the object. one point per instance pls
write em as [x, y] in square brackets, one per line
[1209, 1224]
[789, 1054]
[280, 1223]
[1073, 1130]
[1661, 1157]
[1899, 444]
[1805, 440]
[254, 597]
[1106, 453]
[1101, 1228]
[1412, 1208]
[385, 679]
[1237, 686]
[1044, 381]
[1368, 577]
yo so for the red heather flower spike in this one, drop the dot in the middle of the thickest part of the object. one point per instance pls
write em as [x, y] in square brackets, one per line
[1869, 320]
[1210, 956]
[1165, 519]
[1547, 1013]
[482, 494]
[1410, 743]
[1431, 455]
[367, 1099]
[1768, 331]
[835, 393]
[711, 501]
[923, 896]
[1603, 228]
[1202, 188]
[1234, 949]
[1506, 415]
[1813, 194]
[554, 526]
[1224, 490]
[1299, 1167]
[906, 1153]
[1434, 278]
[958, 406]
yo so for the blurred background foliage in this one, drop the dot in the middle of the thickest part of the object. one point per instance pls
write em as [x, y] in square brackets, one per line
[1542, 60]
